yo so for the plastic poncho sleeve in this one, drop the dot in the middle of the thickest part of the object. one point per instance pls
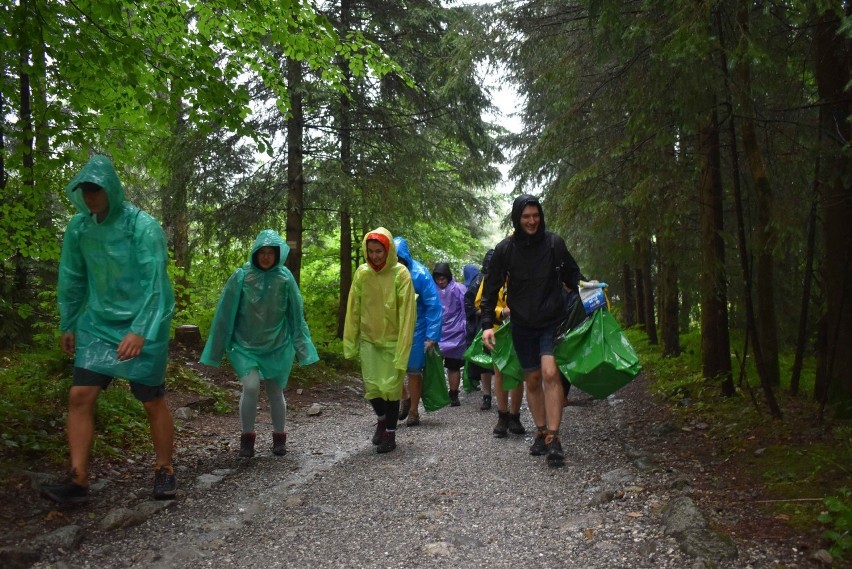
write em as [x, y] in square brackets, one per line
[407, 306]
[152, 257]
[71, 291]
[219, 339]
[434, 310]
[306, 352]
[352, 325]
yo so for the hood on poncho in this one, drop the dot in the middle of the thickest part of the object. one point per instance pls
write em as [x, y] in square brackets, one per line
[270, 238]
[442, 269]
[392, 258]
[469, 272]
[98, 170]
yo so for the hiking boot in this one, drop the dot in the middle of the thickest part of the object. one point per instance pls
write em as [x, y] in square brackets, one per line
[515, 426]
[380, 429]
[388, 442]
[454, 398]
[539, 446]
[501, 429]
[67, 493]
[404, 409]
[555, 456]
[279, 444]
[486, 403]
[247, 445]
[165, 483]
[413, 419]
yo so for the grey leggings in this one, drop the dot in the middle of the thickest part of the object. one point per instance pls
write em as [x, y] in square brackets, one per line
[248, 402]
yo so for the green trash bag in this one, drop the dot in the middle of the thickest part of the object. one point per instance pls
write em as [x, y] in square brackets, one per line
[435, 392]
[596, 356]
[506, 359]
[476, 353]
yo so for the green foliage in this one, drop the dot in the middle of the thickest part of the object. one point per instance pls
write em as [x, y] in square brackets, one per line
[838, 517]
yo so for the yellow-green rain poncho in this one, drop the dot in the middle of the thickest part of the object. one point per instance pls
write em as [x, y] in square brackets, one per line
[113, 281]
[380, 318]
[260, 319]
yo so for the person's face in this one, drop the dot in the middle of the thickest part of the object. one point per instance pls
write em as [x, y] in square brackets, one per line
[530, 219]
[266, 257]
[376, 252]
[442, 281]
[96, 200]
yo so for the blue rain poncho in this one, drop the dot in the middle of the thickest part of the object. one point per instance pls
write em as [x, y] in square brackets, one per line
[260, 319]
[380, 318]
[429, 311]
[113, 281]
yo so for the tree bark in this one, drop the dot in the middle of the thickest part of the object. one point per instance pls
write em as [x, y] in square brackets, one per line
[640, 284]
[295, 172]
[669, 293]
[346, 241]
[628, 315]
[833, 65]
[648, 288]
[715, 340]
[766, 324]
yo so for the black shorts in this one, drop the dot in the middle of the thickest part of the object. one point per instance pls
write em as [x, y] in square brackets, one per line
[87, 378]
[453, 364]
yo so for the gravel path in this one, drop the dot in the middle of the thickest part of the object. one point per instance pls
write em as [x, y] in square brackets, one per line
[450, 495]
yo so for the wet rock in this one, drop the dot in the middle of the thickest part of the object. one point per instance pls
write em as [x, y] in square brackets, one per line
[18, 557]
[67, 537]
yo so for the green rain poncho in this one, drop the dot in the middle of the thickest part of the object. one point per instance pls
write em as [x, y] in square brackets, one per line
[113, 281]
[260, 319]
[380, 318]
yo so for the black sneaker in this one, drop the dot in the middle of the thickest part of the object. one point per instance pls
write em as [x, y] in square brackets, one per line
[165, 483]
[67, 493]
[515, 426]
[539, 447]
[486, 403]
[555, 456]
[454, 399]
[501, 429]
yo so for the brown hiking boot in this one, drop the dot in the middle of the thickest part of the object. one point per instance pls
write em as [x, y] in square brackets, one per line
[247, 445]
[413, 419]
[279, 444]
[388, 442]
[380, 429]
[515, 426]
[539, 446]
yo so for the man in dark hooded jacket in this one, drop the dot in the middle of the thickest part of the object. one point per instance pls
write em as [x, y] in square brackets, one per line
[537, 264]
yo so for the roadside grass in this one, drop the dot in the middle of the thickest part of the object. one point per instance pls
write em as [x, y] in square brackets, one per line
[34, 386]
[804, 467]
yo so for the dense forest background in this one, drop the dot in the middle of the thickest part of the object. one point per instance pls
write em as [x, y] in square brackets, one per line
[695, 155]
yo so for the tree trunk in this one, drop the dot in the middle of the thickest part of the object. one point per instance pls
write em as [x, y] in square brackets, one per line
[295, 172]
[346, 241]
[648, 289]
[766, 324]
[640, 285]
[833, 65]
[715, 340]
[628, 315]
[174, 200]
[669, 293]
[802, 337]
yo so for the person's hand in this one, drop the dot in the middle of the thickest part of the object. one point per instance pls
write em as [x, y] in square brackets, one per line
[130, 346]
[68, 343]
[506, 312]
[429, 344]
[488, 339]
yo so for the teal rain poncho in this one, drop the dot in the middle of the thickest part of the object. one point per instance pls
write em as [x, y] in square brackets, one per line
[113, 281]
[260, 319]
[380, 317]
